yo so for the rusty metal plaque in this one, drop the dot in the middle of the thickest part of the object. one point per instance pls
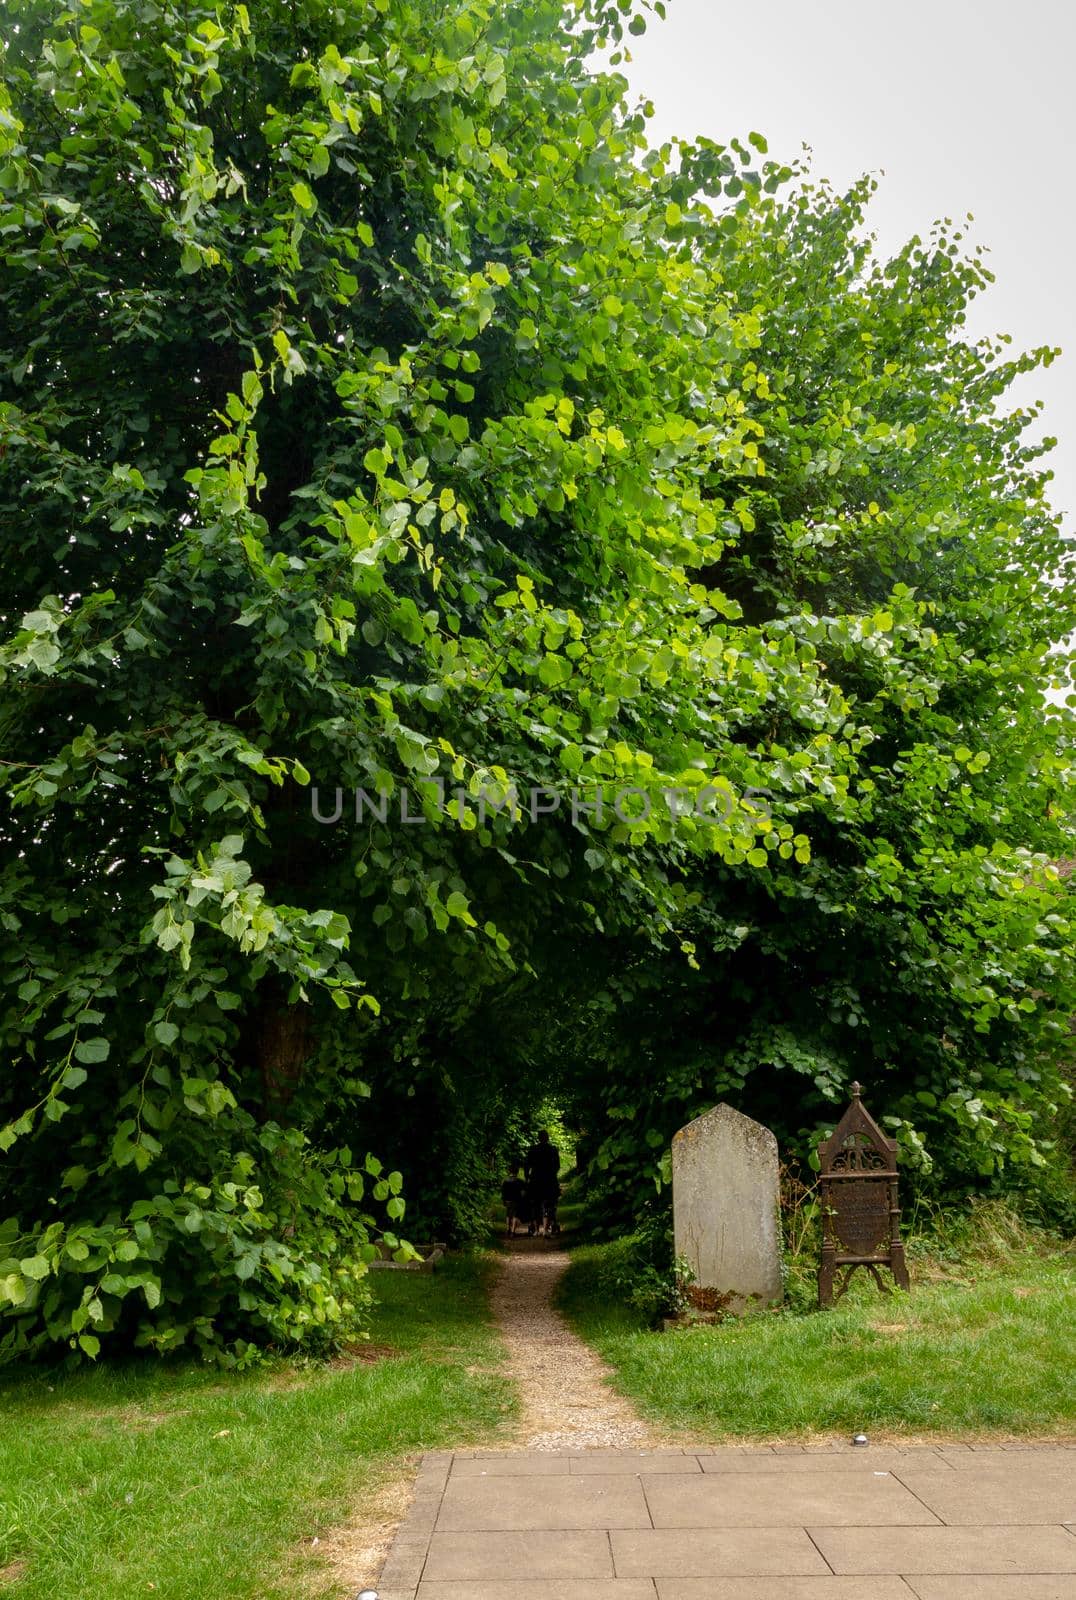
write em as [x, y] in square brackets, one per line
[862, 1217]
[860, 1211]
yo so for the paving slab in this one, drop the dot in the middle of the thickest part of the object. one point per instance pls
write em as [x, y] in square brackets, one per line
[1014, 1457]
[503, 1504]
[544, 1589]
[640, 1462]
[601, 1452]
[790, 1589]
[783, 1500]
[517, 1466]
[1028, 1587]
[1018, 1491]
[474, 1556]
[406, 1560]
[865, 1461]
[714, 1552]
[742, 1449]
[1008, 1448]
[947, 1550]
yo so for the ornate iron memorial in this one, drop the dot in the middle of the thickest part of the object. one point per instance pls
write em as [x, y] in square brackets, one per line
[860, 1213]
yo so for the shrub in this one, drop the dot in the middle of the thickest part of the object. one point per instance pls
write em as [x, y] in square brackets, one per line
[269, 1249]
[639, 1270]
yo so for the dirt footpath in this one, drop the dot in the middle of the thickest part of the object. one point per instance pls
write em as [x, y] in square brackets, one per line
[566, 1404]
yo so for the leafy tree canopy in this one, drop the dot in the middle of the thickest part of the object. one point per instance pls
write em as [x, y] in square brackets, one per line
[379, 412]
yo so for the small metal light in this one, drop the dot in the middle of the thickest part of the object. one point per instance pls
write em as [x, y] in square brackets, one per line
[859, 1439]
[367, 1594]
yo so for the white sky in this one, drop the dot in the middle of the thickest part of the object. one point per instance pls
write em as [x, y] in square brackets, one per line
[963, 107]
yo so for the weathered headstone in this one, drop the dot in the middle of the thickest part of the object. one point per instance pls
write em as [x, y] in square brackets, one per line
[725, 1210]
[858, 1193]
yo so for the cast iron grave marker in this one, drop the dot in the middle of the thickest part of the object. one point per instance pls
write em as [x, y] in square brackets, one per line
[860, 1213]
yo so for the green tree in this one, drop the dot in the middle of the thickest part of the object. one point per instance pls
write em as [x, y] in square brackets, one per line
[378, 411]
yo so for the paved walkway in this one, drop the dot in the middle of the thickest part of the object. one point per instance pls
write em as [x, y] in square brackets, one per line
[562, 1520]
[951, 1522]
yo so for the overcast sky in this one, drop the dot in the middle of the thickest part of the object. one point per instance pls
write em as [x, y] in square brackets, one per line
[963, 107]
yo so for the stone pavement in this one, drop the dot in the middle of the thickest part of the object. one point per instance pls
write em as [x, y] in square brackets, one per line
[945, 1522]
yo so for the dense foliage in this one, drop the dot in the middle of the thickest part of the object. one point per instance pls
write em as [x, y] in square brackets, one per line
[379, 413]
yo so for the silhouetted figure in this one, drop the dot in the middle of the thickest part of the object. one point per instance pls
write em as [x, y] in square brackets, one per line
[542, 1168]
[516, 1210]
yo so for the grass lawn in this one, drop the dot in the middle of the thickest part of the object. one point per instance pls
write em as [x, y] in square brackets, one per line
[183, 1483]
[980, 1346]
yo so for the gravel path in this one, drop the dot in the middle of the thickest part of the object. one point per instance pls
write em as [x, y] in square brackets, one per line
[566, 1402]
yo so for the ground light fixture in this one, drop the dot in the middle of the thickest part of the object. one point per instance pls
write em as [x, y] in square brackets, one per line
[859, 1439]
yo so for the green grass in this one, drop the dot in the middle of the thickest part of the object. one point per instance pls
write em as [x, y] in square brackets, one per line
[979, 1347]
[183, 1483]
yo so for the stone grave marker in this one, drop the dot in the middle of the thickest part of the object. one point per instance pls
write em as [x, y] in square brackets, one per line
[860, 1214]
[725, 1210]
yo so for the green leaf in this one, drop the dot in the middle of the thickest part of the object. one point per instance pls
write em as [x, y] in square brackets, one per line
[92, 1051]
